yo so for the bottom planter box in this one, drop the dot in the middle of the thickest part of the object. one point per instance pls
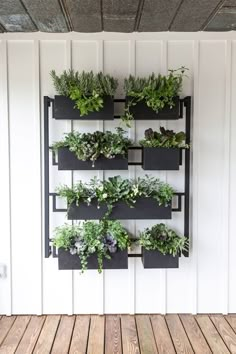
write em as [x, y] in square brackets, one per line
[119, 260]
[67, 160]
[145, 208]
[155, 259]
[161, 158]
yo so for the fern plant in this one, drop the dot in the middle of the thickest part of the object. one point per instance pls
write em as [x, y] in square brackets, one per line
[102, 238]
[163, 239]
[86, 89]
[89, 146]
[165, 138]
[156, 91]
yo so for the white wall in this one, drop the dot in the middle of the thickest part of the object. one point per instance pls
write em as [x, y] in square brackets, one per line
[205, 282]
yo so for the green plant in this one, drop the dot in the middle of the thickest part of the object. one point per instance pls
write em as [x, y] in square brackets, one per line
[117, 189]
[165, 139]
[156, 91]
[85, 239]
[86, 88]
[163, 239]
[89, 146]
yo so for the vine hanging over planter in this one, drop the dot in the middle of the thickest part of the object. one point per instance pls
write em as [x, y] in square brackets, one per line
[86, 89]
[102, 239]
[157, 92]
[165, 138]
[90, 146]
[116, 189]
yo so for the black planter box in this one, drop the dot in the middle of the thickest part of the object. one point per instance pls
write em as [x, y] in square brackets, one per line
[155, 259]
[145, 208]
[67, 160]
[142, 111]
[161, 158]
[63, 108]
[66, 260]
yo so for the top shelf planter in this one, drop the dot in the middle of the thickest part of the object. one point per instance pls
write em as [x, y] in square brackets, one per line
[63, 108]
[142, 112]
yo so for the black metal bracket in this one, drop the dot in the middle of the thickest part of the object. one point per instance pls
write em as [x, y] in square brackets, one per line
[49, 248]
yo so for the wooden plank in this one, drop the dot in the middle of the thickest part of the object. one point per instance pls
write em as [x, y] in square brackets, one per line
[5, 326]
[145, 334]
[226, 332]
[178, 335]
[47, 335]
[212, 336]
[80, 335]
[96, 335]
[31, 335]
[162, 335]
[14, 17]
[15, 334]
[63, 337]
[129, 335]
[195, 335]
[113, 335]
[231, 319]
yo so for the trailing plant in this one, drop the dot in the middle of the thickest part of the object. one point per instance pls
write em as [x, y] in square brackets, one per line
[156, 91]
[89, 146]
[116, 189]
[103, 238]
[165, 138]
[86, 89]
[163, 239]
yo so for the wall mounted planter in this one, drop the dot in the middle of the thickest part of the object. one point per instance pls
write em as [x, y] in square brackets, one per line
[155, 259]
[66, 260]
[142, 112]
[67, 160]
[161, 158]
[145, 208]
[63, 108]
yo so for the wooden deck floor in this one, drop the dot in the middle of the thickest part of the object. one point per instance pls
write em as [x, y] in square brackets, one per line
[146, 334]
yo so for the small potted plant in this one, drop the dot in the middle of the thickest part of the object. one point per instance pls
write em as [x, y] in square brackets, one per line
[161, 247]
[83, 95]
[92, 245]
[117, 198]
[98, 151]
[161, 150]
[154, 97]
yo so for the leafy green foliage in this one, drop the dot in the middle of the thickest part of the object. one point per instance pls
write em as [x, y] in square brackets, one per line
[156, 91]
[163, 239]
[89, 146]
[165, 139]
[86, 89]
[103, 238]
[117, 189]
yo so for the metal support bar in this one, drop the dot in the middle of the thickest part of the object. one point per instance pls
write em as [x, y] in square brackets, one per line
[134, 255]
[47, 248]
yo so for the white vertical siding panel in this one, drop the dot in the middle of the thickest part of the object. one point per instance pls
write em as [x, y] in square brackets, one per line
[5, 235]
[232, 186]
[180, 53]
[211, 149]
[150, 57]
[25, 179]
[57, 285]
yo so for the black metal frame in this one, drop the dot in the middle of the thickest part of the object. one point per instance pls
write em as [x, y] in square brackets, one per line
[49, 250]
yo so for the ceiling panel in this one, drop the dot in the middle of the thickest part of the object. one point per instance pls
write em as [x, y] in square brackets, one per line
[119, 15]
[193, 15]
[14, 17]
[47, 15]
[85, 15]
[224, 20]
[157, 15]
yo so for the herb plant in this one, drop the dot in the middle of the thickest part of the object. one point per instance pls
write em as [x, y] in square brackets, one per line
[116, 189]
[163, 239]
[103, 238]
[89, 146]
[156, 91]
[165, 138]
[86, 89]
